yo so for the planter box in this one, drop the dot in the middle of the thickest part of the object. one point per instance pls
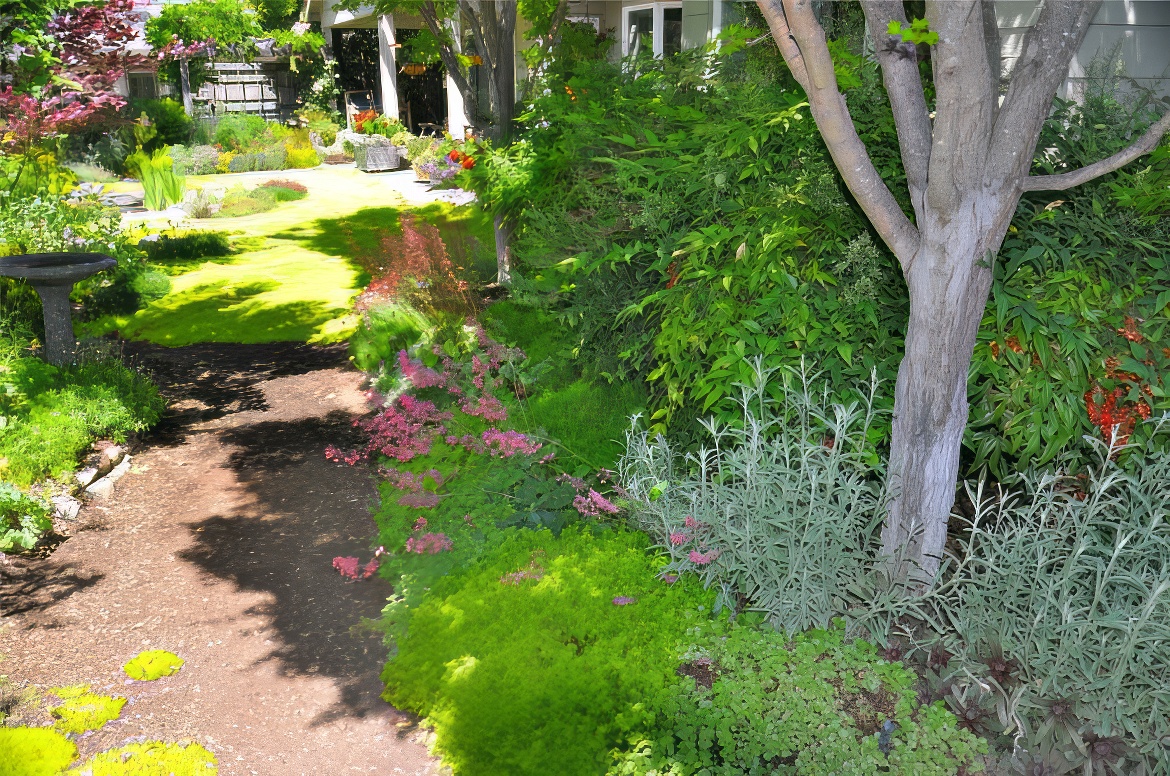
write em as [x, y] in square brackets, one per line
[376, 158]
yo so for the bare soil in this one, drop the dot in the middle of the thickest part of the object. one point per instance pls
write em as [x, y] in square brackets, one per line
[218, 546]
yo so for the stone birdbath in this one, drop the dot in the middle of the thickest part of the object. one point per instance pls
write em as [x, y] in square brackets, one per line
[53, 276]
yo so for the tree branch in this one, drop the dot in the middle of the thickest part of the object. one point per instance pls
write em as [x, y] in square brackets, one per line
[899, 61]
[1047, 50]
[430, 15]
[801, 40]
[1066, 180]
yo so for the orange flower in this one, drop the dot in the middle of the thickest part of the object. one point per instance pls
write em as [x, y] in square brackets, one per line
[467, 163]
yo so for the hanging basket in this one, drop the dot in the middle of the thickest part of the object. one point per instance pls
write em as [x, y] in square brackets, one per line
[414, 68]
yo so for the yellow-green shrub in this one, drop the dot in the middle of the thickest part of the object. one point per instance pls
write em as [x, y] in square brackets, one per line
[299, 158]
[34, 751]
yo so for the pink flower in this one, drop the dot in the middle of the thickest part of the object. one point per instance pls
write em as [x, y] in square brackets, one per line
[691, 522]
[701, 558]
[678, 538]
[428, 544]
[419, 375]
[506, 444]
[420, 500]
[624, 600]
[348, 568]
[670, 579]
[487, 407]
[420, 524]
[594, 504]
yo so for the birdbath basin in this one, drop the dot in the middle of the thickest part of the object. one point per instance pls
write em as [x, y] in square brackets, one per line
[53, 276]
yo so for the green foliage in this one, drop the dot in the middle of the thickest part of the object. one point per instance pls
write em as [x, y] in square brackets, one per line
[1056, 590]
[918, 32]
[276, 13]
[1081, 300]
[587, 418]
[64, 410]
[237, 131]
[188, 247]
[1061, 594]
[162, 186]
[757, 701]
[547, 674]
[28, 751]
[53, 223]
[705, 214]
[83, 710]
[170, 121]
[151, 758]
[23, 519]
[153, 664]
[385, 330]
[227, 22]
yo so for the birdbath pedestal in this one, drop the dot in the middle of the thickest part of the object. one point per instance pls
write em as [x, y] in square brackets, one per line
[53, 276]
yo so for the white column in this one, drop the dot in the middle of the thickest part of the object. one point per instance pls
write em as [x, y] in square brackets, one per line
[456, 113]
[387, 66]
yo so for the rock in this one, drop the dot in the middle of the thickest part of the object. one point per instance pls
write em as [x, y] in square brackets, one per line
[100, 489]
[65, 507]
[103, 487]
[86, 476]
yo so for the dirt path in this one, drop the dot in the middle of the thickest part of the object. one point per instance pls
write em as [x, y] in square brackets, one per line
[218, 546]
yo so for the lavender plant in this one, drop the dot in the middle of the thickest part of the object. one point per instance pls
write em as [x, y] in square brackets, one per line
[1048, 629]
[779, 510]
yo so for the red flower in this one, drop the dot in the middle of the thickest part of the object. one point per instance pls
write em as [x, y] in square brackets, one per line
[455, 156]
[467, 163]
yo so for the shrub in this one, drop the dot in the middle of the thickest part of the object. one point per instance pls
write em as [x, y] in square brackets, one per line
[48, 223]
[300, 158]
[753, 701]
[384, 331]
[188, 247]
[28, 751]
[224, 164]
[782, 507]
[236, 131]
[1053, 586]
[529, 663]
[243, 162]
[246, 202]
[65, 410]
[195, 160]
[22, 519]
[162, 186]
[170, 121]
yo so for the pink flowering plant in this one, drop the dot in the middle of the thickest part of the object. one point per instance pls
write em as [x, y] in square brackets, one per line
[455, 471]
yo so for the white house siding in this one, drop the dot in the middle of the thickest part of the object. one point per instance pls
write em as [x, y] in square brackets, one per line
[1139, 31]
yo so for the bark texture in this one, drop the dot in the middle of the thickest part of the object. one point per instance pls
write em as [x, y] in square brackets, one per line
[966, 167]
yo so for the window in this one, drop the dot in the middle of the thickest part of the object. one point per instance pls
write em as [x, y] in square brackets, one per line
[657, 25]
[142, 86]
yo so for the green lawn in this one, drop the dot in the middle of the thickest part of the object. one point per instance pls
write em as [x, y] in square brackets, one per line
[297, 269]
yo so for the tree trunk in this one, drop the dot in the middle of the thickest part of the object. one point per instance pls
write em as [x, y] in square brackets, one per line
[185, 86]
[503, 250]
[949, 281]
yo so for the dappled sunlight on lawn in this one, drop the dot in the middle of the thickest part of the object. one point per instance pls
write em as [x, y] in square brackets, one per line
[299, 266]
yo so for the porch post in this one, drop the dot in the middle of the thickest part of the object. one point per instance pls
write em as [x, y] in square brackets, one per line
[387, 66]
[456, 113]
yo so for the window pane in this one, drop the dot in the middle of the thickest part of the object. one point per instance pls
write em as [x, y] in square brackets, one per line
[640, 31]
[671, 31]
